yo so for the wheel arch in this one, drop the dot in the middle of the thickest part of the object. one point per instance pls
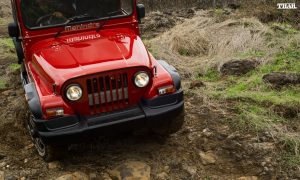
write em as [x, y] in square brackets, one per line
[173, 72]
[33, 100]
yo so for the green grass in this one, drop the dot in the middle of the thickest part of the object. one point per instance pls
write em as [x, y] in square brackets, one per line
[218, 11]
[1, 21]
[285, 28]
[256, 117]
[291, 155]
[252, 54]
[291, 160]
[14, 66]
[288, 61]
[211, 75]
[184, 52]
[7, 42]
[253, 100]
[252, 87]
[2, 84]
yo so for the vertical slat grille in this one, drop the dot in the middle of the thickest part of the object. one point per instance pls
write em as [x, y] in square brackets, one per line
[108, 92]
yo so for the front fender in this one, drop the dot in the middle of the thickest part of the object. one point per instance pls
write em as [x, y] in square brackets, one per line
[33, 100]
[173, 72]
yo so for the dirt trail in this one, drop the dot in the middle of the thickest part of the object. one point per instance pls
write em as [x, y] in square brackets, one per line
[206, 148]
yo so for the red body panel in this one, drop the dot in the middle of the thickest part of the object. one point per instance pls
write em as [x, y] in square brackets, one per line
[53, 62]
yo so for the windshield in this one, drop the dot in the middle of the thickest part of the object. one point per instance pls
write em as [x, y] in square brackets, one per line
[41, 13]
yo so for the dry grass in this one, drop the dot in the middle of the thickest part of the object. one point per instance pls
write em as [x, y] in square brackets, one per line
[203, 42]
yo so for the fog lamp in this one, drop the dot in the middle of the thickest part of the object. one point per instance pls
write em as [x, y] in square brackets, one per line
[166, 90]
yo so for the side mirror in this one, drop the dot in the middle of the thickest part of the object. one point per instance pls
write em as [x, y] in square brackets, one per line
[13, 30]
[140, 11]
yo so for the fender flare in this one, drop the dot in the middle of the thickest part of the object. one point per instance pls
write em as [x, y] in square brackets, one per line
[173, 72]
[19, 50]
[33, 100]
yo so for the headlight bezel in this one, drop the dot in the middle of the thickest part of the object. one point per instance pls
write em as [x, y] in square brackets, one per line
[68, 88]
[139, 73]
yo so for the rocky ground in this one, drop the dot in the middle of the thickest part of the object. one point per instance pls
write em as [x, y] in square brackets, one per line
[207, 147]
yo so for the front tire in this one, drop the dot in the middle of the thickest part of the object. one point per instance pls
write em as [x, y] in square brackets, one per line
[47, 152]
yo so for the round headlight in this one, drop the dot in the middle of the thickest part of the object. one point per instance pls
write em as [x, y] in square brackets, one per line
[74, 92]
[141, 79]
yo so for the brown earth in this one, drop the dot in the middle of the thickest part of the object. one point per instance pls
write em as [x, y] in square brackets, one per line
[206, 148]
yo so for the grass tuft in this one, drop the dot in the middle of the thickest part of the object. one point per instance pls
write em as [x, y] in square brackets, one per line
[210, 75]
[3, 84]
[252, 54]
[7, 42]
[284, 28]
[14, 67]
[256, 117]
[291, 160]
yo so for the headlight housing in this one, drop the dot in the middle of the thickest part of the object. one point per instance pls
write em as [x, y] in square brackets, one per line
[141, 79]
[74, 92]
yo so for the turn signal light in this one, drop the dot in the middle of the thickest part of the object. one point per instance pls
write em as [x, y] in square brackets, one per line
[166, 90]
[55, 112]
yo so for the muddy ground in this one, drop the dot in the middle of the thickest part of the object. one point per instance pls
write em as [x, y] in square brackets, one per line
[207, 147]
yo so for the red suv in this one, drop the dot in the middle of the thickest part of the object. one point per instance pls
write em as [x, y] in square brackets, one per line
[86, 71]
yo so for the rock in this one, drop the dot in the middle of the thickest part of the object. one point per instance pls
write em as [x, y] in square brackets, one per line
[167, 169]
[208, 157]
[26, 160]
[1, 175]
[248, 178]
[207, 133]
[131, 170]
[196, 84]
[279, 79]
[239, 67]
[192, 170]
[74, 176]
[54, 165]
[162, 176]
[3, 164]
[23, 178]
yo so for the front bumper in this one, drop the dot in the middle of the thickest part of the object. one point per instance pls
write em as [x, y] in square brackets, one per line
[148, 113]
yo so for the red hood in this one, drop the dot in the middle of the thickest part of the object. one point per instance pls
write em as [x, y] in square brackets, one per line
[87, 53]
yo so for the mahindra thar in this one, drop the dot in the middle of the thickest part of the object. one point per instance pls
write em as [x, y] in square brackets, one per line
[86, 72]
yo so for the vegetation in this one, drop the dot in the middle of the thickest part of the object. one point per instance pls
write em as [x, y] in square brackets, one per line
[2, 84]
[254, 100]
[14, 66]
[1, 21]
[6, 43]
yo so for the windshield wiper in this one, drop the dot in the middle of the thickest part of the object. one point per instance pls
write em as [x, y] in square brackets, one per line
[110, 16]
[75, 19]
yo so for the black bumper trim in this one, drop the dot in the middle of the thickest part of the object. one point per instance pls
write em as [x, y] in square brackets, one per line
[146, 114]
